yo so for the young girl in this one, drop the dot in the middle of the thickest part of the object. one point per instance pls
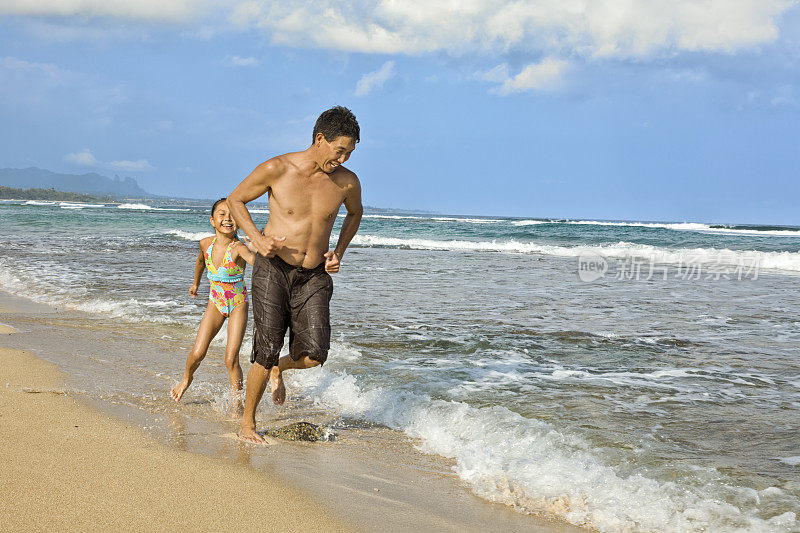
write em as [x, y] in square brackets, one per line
[224, 256]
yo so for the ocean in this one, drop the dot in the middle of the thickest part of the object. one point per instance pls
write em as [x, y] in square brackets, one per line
[624, 376]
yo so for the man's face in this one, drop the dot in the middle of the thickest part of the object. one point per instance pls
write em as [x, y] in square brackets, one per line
[336, 152]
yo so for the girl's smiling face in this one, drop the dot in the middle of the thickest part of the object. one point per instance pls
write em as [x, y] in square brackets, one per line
[222, 220]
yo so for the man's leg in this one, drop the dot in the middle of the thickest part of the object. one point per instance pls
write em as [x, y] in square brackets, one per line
[310, 333]
[287, 363]
[270, 295]
[256, 383]
[276, 374]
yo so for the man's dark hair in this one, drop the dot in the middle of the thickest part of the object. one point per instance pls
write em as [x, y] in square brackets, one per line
[214, 207]
[337, 122]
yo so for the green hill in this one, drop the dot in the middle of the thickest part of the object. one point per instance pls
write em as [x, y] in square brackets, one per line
[51, 195]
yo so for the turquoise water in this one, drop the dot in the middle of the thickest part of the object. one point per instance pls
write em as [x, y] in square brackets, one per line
[659, 397]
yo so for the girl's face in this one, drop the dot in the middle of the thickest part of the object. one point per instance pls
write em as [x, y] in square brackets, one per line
[222, 220]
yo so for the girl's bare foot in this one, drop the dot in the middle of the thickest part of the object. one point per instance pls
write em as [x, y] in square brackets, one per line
[178, 390]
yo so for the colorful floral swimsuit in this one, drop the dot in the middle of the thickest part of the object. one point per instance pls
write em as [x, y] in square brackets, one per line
[227, 281]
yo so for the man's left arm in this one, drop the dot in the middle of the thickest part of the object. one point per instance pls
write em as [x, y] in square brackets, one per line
[352, 202]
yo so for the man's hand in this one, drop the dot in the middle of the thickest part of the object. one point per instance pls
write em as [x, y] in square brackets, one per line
[193, 291]
[268, 246]
[331, 262]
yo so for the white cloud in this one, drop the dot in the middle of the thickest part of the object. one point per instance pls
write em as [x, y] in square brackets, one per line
[87, 159]
[140, 165]
[686, 75]
[48, 70]
[236, 61]
[553, 28]
[498, 74]
[83, 158]
[563, 30]
[785, 97]
[45, 87]
[148, 10]
[542, 76]
[578, 28]
[375, 80]
[67, 30]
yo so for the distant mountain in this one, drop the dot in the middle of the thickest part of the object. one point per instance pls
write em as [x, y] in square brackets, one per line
[91, 183]
[50, 195]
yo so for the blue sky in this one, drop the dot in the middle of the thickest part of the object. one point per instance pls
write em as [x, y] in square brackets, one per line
[681, 110]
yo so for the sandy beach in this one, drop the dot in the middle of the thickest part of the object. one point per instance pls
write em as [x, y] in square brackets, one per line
[67, 467]
[72, 466]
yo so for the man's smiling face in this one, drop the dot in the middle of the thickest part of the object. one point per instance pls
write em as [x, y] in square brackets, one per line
[335, 153]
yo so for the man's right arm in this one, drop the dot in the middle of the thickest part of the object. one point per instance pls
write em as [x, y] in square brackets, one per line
[252, 187]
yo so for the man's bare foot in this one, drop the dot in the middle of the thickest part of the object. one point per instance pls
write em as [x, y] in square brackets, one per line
[178, 390]
[249, 434]
[276, 382]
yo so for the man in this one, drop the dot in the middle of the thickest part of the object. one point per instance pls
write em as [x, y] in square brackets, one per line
[291, 285]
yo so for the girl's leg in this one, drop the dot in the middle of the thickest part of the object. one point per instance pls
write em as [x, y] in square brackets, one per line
[237, 323]
[209, 327]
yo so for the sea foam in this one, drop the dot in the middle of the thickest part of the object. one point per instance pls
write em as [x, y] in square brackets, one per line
[58, 286]
[676, 226]
[188, 235]
[145, 207]
[787, 261]
[69, 205]
[534, 467]
[694, 226]
[436, 218]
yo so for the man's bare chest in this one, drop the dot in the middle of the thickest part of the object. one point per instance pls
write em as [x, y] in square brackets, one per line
[306, 197]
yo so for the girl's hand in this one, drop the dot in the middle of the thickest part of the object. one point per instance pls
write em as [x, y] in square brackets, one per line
[247, 242]
[193, 291]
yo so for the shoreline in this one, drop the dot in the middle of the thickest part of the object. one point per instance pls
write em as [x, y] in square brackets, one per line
[368, 478]
[68, 467]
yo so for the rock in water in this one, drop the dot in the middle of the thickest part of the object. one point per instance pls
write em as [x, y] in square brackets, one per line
[299, 431]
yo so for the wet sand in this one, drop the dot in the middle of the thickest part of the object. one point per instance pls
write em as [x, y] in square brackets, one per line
[75, 461]
[68, 467]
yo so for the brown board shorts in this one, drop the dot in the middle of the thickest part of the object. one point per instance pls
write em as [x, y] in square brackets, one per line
[287, 296]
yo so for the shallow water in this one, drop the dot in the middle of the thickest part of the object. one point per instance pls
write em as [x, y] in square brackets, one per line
[622, 404]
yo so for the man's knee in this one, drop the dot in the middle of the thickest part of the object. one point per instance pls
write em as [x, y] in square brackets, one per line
[258, 369]
[307, 359]
[314, 359]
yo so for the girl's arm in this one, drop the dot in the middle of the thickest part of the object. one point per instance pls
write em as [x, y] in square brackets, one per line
[199, 267]
[240, 250]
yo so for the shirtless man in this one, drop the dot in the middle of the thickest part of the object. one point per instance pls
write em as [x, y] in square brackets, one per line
[291, 286]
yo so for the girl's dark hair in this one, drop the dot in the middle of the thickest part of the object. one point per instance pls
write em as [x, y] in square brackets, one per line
[337, 122]
[214, 207]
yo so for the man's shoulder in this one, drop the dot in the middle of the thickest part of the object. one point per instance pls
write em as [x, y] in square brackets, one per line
[275, 164]
[346, 176]
[280, 164]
